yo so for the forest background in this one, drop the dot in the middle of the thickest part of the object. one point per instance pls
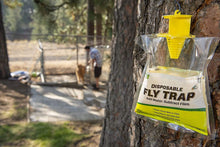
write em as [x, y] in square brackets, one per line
[56, 17]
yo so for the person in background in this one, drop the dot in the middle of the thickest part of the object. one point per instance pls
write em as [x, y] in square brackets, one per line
[96, 60]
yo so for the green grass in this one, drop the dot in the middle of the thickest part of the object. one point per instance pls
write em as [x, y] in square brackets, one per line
[38, 134]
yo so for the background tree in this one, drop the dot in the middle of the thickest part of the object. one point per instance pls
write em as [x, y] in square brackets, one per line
[58, 17]
[103, 9]
[13, 19]
[120, 129]
[108, 18]
[18, 17]
[4, 66]
[48, 11]
[69, 17]
[97, 9]
[90, 22]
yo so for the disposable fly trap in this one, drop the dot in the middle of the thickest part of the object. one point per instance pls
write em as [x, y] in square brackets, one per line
[174, 86]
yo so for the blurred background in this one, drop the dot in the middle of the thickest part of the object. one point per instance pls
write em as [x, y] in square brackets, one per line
[61, 29]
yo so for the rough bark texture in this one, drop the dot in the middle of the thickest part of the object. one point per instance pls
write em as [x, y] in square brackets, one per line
[4, 66]
[119, 99]
[205, 22]
[119, 129]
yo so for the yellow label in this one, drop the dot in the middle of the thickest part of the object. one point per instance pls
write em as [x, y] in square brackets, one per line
[174, 97]
[194, 119]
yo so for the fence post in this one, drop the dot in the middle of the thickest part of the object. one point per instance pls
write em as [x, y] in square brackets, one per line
[42, 75]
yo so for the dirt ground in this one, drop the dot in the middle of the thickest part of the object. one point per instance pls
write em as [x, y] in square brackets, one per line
[13, 101]
[14, 107]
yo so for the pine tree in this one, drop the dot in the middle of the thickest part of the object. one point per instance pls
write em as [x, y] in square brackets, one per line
[134, 18]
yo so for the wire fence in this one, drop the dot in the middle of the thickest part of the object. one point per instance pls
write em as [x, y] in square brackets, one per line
[61, 54]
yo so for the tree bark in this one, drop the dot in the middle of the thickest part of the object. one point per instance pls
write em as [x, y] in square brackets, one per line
[119, 97]
[204, 23]
[4, 66]
[98, 28]
[120, 128]
[90, 22]
[108, 26]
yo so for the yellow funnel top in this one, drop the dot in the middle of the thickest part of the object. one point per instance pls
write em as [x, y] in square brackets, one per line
[179, 30]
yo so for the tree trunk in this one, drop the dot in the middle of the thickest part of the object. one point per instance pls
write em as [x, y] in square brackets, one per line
[98, 28]
[108, 26]
[4, 66]
[90, 22]
[120, 129]
[90, 26]
[119, 98]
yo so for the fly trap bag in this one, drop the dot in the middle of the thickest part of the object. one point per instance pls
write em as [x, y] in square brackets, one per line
[174, 86]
